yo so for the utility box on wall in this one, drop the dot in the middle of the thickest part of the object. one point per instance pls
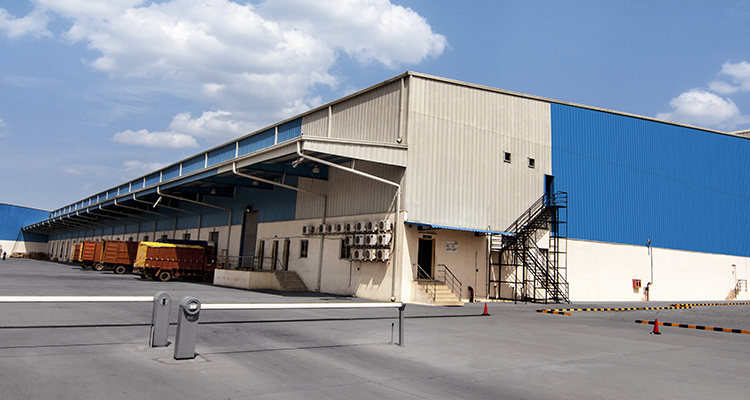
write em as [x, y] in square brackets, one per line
[636, 284]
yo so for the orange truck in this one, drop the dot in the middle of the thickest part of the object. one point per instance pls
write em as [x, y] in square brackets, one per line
[117, 255]
[76, 257]
[164, 261]
[91, 253]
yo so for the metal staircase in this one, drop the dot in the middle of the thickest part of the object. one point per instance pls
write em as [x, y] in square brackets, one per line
[519, 269]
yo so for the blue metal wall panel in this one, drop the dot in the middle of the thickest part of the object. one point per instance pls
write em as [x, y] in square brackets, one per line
[194, 164]
[153, 179]
[222, 154]
[257, 142]
[171, 173]
[13, 218]
[124, 189]
[135, 185]
[630, 179]
[290, 130]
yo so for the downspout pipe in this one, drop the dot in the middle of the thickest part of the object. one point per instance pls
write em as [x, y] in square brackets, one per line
[174, 226]
[396, 226]
[229, 232]
[325, 211]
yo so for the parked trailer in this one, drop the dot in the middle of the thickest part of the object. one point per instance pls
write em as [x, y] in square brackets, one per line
[91, 253]
[163, 261]
[117, 255]
[76, 257]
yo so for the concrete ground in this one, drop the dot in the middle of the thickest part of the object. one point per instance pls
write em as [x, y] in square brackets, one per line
[100, 351]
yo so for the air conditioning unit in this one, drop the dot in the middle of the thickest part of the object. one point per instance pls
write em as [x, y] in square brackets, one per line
[308, 230]
[320, 229]
[370, 255]
[371, 240]
[359, 240]
[360, 226]
[349, 227]
[385, 225]
[358, 255]
[383, 255]
[329, 228]
[371, 226]
[349, 240]
[384, 239]
[339, 228]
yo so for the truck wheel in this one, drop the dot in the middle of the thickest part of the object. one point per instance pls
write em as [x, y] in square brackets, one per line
[98, 267]
[120, 269]
[146, 276]
[208, 277]
[164, 276]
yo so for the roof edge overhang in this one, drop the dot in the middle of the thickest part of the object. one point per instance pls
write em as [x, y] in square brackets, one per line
[458, 228]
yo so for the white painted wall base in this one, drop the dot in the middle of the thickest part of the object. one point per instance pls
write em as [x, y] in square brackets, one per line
[605, 272]
[258, 280]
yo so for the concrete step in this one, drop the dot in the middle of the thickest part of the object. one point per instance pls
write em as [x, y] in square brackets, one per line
[444, 296]
[291, 282]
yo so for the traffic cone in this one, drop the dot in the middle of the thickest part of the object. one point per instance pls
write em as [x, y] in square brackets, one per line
[485, 309]
[656, 327]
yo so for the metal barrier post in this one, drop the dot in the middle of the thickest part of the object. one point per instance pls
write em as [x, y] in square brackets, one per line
[401, 325]
[160, 320]
[187, 328]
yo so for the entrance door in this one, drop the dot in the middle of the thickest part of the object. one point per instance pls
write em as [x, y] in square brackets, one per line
[286, 255]
[249, 237]
[425, 257]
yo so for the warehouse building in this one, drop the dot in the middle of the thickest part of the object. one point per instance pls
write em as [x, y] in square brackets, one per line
[15, 240]
[429, 190]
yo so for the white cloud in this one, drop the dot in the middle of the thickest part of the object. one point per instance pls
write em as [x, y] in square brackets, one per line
[168, 140]
[34, 24]
[142, 167]
[701, 108]
[259, 62]
[707, 108]
[216, 126]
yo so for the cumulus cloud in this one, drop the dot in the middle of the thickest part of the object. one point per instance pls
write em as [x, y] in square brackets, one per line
[164, 140]
[706, 107]
[699, 107]
[211, 125]
[142, 167]
[261, 62]
[34, 24]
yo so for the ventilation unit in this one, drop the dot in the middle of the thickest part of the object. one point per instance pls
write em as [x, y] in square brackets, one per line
[319, 229]
[384, 239]
[308, 230]
[349, 227]
[360, 226]
[370, 255]
[349, 240]
[385, 225]
[371, 240]
[339, 228]
[358, 255]
[329, 228]
[359, 240]
[383, 255]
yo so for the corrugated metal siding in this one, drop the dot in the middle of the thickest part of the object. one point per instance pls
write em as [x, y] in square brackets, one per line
[194, 164]
[381, 154]
[629, 180]
[371, 116]
[457, 136]
[289, 130]
[224, 153]
[316, 124]
[257, 142]
[171, 172]
[349, 194]
[152, 179]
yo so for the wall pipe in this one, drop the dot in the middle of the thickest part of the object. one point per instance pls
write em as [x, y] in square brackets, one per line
[174, 226]
[325, 210]
[229, 232]
[396, 247]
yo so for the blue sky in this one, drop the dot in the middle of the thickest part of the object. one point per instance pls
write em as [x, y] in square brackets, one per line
[95, 93]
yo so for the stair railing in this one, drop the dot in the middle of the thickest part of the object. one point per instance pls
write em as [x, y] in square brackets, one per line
[450, 280]
[431, 283]
[740, 286]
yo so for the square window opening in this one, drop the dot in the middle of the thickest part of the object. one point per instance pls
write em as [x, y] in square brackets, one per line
[506, 157]
[532, 163]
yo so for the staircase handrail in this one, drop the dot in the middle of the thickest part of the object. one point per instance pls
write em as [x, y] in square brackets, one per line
[450, 280]
[431, 289]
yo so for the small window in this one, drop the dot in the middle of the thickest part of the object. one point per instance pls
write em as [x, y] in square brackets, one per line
[186, 236]
[145, 238]
[532, 163]
[164, 237]
[303, 244]
[506, 157]
[213, 237]
[346, 251]
[130, 239]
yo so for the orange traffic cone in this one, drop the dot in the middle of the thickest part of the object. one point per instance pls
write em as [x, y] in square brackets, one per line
[485, 309]
[656, 327]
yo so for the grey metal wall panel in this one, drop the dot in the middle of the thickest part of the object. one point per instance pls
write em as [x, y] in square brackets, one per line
[315, 124]
[457, 135]
[393, 155]
[348, 193]
[371, 116]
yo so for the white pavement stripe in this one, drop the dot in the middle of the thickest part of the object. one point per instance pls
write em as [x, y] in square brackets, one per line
[292, 306]
[73, 299]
